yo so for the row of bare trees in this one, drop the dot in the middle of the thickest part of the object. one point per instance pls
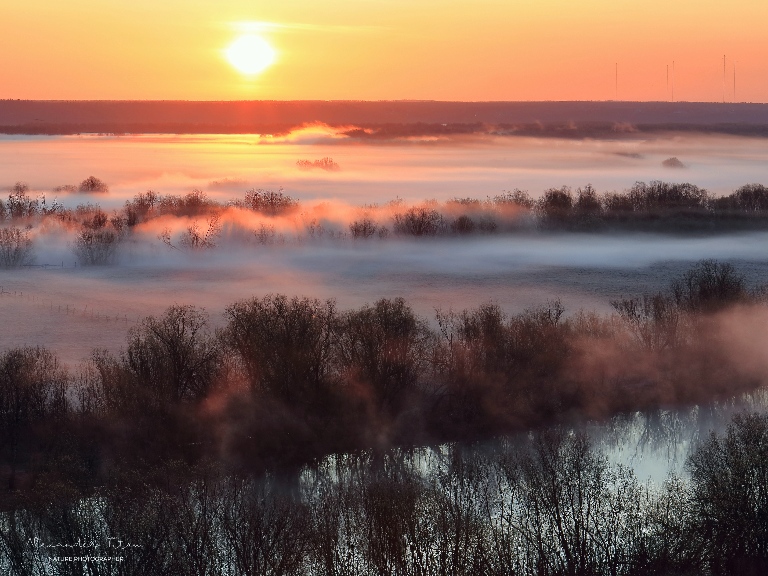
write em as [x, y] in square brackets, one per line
[548, 504]
[160, 442]
[655, 206]
[289, 380]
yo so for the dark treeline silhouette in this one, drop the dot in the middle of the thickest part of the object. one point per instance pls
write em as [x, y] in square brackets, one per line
[287, 381]
[396, 119]
[545, 504]
[289, 442]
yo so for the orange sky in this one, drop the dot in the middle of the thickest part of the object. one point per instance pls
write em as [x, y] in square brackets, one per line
[386, 49]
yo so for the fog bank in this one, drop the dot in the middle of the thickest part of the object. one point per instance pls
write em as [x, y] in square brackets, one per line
[413, 169]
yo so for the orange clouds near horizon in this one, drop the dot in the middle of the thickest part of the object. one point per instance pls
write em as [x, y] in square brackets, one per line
[454, 50]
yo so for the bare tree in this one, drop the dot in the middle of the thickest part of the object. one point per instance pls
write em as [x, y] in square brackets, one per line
[730, 496]
[285, 346]
[93, 184]
[386, 347]
[174, 357]
[15, 247]
[32, 390]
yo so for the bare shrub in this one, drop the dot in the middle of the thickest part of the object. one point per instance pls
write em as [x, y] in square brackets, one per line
[91, 217]
[419, 221]
[93, 184]
[616, 203]
[363, 228]
[709, 286]
[487, 224]
[386, 347]
[285, 346]
[463, 225]
[556, 204]
[15, 247]
[194, 239]
[658, 195]
[576, 514]
[96, 247]
[516, 198]
[587, 201]
[20, 188]
[269, 201]
[65, 188]
[32, 390]
[140, 207]
[193, 203]
[655, 321]
[750, 198]
[19, 204]
[266, 531]
[174, 357]
[673, 162]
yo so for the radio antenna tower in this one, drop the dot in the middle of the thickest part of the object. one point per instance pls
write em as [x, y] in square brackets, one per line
[723, 78]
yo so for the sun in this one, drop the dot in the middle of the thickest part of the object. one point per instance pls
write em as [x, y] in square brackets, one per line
[250, 54]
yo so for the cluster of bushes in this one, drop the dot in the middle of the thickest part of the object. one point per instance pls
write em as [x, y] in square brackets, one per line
[283, 442]
[20, 205]
[546, 505]
[657, 206]
[287, 381]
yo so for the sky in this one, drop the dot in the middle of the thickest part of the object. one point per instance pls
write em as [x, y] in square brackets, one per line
[387, 50]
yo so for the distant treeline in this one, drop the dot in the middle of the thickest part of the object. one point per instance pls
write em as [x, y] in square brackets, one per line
[652, 207]
[382, 132]
[397, 118]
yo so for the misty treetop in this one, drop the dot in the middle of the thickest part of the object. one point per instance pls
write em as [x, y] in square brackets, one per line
[193, 221]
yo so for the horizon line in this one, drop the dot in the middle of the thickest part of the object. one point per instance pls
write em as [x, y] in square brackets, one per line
[395, 101]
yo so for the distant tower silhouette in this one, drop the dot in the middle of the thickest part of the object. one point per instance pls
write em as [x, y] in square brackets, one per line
[617, 81]
[723, 78]
[673, 80]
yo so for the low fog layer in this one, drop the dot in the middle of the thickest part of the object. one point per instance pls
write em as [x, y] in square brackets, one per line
[413, 169]
[73, 309]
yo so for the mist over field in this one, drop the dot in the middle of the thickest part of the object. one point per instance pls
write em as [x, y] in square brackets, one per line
[318, 325]
[583, 271]
[297, 252]
[436, 167]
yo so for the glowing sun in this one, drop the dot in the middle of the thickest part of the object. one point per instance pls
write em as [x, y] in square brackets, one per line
[250, 54]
